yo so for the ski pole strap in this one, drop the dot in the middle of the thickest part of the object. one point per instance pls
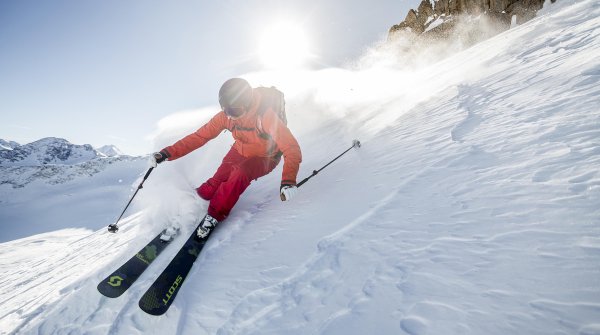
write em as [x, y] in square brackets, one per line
[355, 143]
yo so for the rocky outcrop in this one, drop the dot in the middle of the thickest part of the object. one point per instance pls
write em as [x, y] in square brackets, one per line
[469, 20]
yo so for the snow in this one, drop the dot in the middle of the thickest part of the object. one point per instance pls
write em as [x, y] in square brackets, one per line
[436, 22]
[36, 200]
[471, 208]
[109, 151]
[7, 145]
[51, 184]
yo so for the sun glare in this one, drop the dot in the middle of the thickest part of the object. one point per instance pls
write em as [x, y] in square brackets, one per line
[284, 46]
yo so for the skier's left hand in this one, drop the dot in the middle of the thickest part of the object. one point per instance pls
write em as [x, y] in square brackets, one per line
[287, 192]
[157, 158]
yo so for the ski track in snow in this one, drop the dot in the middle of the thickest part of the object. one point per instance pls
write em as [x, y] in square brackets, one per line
[474, 212]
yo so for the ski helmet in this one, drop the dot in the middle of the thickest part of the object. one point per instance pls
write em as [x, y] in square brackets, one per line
[235, 96]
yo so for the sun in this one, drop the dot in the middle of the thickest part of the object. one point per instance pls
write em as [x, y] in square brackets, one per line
[284, 46]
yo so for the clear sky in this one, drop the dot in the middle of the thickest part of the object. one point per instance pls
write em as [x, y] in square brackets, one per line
[104, 72]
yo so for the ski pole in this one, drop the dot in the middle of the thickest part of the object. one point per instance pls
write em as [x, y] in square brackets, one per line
[355, 144]
[113, 228]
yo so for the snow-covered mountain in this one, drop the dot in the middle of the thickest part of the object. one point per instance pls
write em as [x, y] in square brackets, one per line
[109, 151]
[8, 145]
[48, 150]
[50, 181]
[471, 208]
[54, 161]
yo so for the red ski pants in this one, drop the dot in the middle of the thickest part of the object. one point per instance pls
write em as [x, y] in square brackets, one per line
[231, 180]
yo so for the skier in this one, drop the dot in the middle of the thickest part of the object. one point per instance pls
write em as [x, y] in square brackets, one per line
[261, 139]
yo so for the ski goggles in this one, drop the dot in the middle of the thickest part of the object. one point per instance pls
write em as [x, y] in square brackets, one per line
[234, 112]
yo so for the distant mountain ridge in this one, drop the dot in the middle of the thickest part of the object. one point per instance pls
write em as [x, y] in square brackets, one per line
[110, 151]
[51, 150]
[54, 161]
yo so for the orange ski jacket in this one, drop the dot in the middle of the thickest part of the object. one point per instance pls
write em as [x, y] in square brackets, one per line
[255, 135]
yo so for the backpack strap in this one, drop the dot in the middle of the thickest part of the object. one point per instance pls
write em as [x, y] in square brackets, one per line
[259, 127]
[272, 98]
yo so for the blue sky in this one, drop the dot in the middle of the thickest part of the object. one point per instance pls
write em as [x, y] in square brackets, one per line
[104, 72]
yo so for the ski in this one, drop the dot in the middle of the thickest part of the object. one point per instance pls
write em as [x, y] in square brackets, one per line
[160, 295]
[121, 279]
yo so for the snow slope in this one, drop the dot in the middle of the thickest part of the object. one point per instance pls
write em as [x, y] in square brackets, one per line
[472, 208]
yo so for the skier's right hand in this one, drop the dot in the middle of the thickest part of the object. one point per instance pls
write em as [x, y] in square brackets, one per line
[157, 158]
[287, 192]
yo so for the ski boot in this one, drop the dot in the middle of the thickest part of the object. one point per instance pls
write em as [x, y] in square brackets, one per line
[170, 232]
[208, 224]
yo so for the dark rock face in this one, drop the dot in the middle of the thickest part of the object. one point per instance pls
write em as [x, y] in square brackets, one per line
[469, 20]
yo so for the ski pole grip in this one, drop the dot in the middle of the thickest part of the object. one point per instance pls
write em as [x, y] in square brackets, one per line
[307, 178]
[148, 173]
[141, 185]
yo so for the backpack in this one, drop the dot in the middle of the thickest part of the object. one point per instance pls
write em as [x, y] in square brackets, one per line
[273, 98]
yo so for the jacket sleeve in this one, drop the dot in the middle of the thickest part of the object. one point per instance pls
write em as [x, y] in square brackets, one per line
[285, 140]
[198, 138]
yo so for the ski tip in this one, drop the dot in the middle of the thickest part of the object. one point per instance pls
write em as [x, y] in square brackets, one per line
[152, 310]
[107, 291]
[152, 304]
